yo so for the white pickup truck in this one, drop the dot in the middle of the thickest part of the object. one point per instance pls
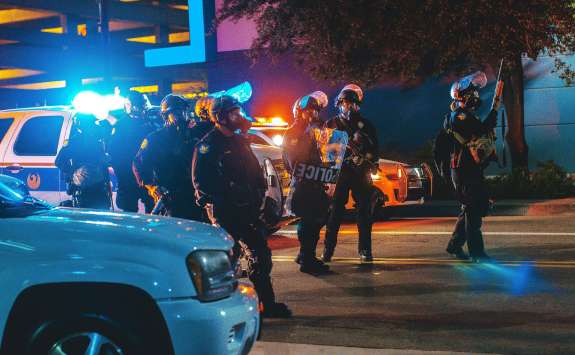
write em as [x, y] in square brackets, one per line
[79, 281]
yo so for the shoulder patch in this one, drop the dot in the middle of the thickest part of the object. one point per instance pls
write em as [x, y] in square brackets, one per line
[144, 144]
[204, 148]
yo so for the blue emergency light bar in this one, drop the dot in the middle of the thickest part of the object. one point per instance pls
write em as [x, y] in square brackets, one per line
[90, 102]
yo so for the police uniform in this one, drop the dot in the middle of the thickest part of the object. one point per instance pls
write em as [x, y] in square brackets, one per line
[164, 160]
[309, 200]
[229, 181]
[127, 135]
[468, 180]
[84, 162]
[355, 177]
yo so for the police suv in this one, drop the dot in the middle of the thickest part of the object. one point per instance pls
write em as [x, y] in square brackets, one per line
[30, 139]
[80, 281]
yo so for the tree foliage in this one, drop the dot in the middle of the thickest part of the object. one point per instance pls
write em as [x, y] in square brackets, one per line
[368, 41]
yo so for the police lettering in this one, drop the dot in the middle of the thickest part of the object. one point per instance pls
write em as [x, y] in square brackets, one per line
[316, 173]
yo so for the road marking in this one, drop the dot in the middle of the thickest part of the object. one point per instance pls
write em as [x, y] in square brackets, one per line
[423, 261]
[555, 234]
[274, 348]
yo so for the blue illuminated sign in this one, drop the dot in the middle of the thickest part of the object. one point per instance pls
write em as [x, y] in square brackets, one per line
[195, 52]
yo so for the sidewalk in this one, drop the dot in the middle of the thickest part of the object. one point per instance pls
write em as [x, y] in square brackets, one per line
[272, 348]
[449, 208]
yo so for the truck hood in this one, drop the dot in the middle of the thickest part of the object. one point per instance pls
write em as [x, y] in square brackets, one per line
[65, 227]
[265, 151]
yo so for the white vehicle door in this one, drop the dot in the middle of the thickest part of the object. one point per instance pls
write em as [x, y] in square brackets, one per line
[32, 150]
[6, 131]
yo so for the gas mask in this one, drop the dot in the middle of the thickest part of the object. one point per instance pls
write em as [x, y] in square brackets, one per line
[237, 121]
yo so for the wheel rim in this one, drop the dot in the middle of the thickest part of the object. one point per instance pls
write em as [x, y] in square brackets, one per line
[88, 343]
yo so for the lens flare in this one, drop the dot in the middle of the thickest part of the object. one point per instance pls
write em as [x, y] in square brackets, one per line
[98, 105]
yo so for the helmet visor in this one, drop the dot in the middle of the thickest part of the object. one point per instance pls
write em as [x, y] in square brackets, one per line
[478, 80]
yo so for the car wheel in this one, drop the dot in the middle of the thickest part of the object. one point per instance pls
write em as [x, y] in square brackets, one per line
[84, 335]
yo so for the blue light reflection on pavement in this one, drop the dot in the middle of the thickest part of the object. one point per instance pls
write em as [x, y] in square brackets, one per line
[518, 280]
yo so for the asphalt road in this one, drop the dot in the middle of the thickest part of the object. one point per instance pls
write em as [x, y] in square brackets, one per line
[416, 297]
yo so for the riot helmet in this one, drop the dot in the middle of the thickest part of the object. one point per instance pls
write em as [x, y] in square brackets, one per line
[174, 111]
[308, 107]
[348, 100]
[136, 104]
[295, 109]
[465, 91]
[85, 124]
[350, 93]
[203, 107]
[227, 112]
[355, 88]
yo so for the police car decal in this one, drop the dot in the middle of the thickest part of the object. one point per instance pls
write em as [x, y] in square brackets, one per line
[33, 181]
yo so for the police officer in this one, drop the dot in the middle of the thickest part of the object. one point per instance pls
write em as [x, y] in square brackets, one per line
[463, 125]
[127, 135]
[229, 182]
[309, 199]
[361, 158]
[84, 163]
[163, 163]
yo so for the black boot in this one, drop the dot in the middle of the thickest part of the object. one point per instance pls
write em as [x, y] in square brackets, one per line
[298, 259]
[327, 254]
[457, 252]
[276, 310]
[481, 258]
[365, 256]
[314, 266]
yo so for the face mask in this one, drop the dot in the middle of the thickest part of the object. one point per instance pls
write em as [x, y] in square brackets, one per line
[237, 121]
[344, 112]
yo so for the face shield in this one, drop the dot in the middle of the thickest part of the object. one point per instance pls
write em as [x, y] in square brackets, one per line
[355, 88]
[136, 104]
[476, 81]
[345, 108]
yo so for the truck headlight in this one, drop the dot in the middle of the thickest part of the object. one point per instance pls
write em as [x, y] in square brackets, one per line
[278, 140]
[212, 274]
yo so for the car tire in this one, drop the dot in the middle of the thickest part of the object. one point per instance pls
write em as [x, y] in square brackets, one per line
[76, 334]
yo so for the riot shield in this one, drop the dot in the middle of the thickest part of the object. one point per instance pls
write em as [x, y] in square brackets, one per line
[331, 146]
